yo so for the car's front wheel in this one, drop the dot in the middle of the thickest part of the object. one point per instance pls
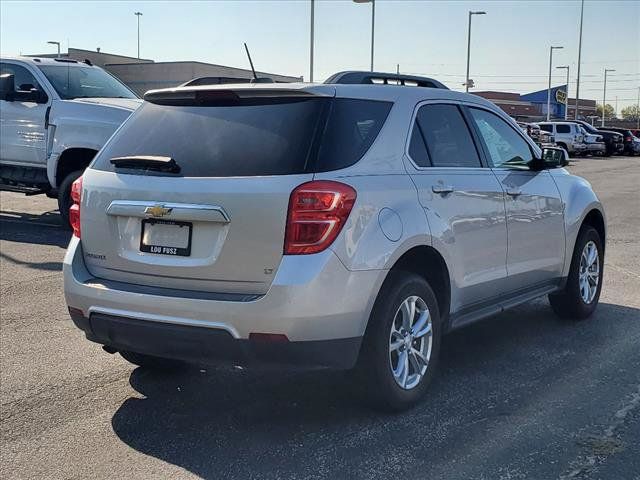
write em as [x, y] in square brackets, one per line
[579, 298]
[402, 343]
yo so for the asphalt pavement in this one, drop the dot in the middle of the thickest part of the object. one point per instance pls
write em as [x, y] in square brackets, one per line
[521, 395]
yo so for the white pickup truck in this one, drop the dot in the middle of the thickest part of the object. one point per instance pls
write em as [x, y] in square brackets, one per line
[55, 114]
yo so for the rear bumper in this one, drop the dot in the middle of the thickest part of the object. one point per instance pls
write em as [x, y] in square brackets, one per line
[321, 307]
[202, 345]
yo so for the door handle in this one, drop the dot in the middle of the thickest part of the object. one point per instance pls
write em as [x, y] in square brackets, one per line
[514, 192]
[442, 189]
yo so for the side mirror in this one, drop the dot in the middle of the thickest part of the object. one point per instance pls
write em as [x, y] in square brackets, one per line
[552, 157]
[31, 95]
[7, 86]
[555, 157]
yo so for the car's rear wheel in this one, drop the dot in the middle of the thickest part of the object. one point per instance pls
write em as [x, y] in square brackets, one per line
[150, 362]
[64, 197]
[579, 298]
[402, 343]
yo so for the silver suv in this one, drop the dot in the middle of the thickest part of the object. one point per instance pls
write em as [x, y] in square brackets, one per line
[347, 224]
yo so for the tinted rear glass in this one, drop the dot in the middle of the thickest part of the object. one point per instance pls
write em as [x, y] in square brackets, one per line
[352, 127]
[563, 129]
[265, 137]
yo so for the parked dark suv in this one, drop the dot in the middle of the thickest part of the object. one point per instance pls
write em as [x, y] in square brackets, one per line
[629, 145]
[612, 140]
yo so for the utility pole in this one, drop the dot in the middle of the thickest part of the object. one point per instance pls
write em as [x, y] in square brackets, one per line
[373, 23]
[579, 57]
[566, 102]
[551, 49]
[311, 43]
[138, 14]
[604, 94]
[638, 111]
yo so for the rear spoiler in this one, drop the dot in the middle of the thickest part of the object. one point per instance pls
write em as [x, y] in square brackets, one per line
[224, 96]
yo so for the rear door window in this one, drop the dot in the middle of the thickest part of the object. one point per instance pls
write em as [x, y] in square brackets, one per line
[563, 129]
[447, 137]
[280, 136]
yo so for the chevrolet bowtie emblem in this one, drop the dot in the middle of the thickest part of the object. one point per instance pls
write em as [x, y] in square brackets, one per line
[157, 211]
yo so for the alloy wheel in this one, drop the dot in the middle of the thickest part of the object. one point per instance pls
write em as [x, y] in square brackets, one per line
[410, 342]
[589, 273]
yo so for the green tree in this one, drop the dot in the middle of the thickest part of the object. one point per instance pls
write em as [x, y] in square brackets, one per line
[608, 111]
[632, 112]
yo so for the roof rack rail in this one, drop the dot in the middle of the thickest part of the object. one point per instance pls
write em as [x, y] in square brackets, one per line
[65, 60]
[380, 78]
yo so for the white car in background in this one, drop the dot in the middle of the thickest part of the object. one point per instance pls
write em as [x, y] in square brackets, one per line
[55, 114]
[595, 143]
[567, 135]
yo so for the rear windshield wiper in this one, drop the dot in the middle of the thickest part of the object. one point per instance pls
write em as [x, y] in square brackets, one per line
[147, 162]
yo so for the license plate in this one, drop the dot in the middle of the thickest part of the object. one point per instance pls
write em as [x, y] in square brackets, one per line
[166, 237]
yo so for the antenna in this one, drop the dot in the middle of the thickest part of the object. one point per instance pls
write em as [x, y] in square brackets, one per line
[255, 77]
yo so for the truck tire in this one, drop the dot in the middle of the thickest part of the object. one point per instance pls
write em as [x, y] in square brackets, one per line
[64, 197]
[400, 350]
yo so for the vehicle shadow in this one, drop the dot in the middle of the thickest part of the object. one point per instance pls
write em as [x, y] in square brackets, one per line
[231, 423]
[44, 229]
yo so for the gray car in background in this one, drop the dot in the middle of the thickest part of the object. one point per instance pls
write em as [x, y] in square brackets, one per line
[348, 225]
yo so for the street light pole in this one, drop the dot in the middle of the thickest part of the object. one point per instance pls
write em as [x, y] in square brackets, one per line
[56, 43]
[579, 56]
[138, 14]
[566, 101]
[373, 24]
[311, 43]
[638, 111]
[466, 83]
[549, 89]
[604, 93]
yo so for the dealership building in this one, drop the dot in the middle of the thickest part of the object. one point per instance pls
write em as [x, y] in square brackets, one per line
[141, 74]
[533, 106]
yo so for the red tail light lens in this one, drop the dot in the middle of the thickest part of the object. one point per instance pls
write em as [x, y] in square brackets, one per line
[317, 212]
[627, 139]
[74, 211]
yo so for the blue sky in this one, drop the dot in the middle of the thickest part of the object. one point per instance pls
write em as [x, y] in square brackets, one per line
[510, 45]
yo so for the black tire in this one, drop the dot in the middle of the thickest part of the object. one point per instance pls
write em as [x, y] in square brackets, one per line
[152, 363]
[375, 361]
[64, 197]
[569, 303]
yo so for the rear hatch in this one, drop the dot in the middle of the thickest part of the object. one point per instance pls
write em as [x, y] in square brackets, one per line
[193, 191]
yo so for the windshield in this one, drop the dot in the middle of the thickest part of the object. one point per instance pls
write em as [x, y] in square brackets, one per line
[589, 128]
[84, 82]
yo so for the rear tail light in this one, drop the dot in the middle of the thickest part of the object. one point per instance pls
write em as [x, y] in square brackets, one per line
[74, 211]
[317, 212]
[627, 139]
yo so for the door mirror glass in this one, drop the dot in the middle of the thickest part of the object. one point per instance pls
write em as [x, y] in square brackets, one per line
[30, 94]
[7, 86]
[554, 157]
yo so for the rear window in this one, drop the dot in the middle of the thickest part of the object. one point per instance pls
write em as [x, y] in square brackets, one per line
[260, 137]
